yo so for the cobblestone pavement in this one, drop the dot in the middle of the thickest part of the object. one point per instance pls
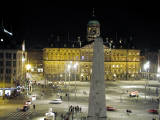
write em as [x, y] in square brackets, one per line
[116, 96]
[19, 115]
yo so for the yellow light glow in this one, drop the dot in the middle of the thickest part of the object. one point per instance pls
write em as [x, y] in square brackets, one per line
[61, 75]
[28, 67]
[75, 65]
[23, 59]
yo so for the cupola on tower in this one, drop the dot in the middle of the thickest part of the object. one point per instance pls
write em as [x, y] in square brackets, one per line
[93, 28]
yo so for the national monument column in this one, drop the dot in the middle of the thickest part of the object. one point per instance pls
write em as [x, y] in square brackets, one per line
[97, 100]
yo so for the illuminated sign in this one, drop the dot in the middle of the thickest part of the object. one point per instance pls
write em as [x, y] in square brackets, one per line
[7, 88]
[8, 92]
[8, 32]
[1, 92]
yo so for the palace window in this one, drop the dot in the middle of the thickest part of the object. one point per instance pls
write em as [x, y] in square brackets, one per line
[82, 58]
[1, 71]
[130, 53]
[14, 56]
[1, 55]
[8, 55]
[8, 63]
[1, 63]
[14, 72]
[14, 63]
[8, 71]
[76, 57]
[8, 78]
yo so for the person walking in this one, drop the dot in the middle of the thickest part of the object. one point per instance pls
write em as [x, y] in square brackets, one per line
[80, 109]
[62, 116]
[55, 115]
[34, 106]
[128, 111]
[61, 97]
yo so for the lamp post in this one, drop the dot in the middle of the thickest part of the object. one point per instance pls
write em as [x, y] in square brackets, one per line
[69, 67]
[61, 81]
[146, 68]
[65, 76]
[110, 53]
[82, 76]
[158, 76]
[23, 69]
[75, 67]
[158, 73]
[28, 67]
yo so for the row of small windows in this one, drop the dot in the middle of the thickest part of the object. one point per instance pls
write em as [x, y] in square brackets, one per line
[8, 55]
[113, 58]
[63, 54]
[62, 50]
[8, 71]
[117, 66]
[87, 56]
[8, 63]
[62, 58]
[7, 79]
[121, 54]
[87, 50]
[108, 53]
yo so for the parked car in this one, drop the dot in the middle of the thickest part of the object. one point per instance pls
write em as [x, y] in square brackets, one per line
[24, 108]
[28, 102]
[153, 111]
[56, 101]
[110, 108]
[134, 94]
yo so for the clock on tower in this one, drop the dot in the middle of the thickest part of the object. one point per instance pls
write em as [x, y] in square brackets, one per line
[93, 30]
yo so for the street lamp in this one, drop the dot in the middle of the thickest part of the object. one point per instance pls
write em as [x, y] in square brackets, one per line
[65, 75]
[158, 76]
[69, 67]
[146, 68]
[61, 77]
[28, 68]
[81, 76]
[75, 67]
[158, 73]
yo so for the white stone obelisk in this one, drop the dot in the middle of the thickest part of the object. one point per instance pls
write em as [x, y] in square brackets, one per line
[97, 101]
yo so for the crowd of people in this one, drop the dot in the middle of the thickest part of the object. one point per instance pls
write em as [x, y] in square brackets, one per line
[75, 109]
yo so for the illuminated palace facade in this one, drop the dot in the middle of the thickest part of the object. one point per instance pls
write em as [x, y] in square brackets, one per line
[120, 64]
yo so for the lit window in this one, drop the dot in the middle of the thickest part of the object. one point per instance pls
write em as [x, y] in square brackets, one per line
[82, 57]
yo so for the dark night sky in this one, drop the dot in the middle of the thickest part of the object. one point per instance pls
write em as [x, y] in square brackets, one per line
[35, 22]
